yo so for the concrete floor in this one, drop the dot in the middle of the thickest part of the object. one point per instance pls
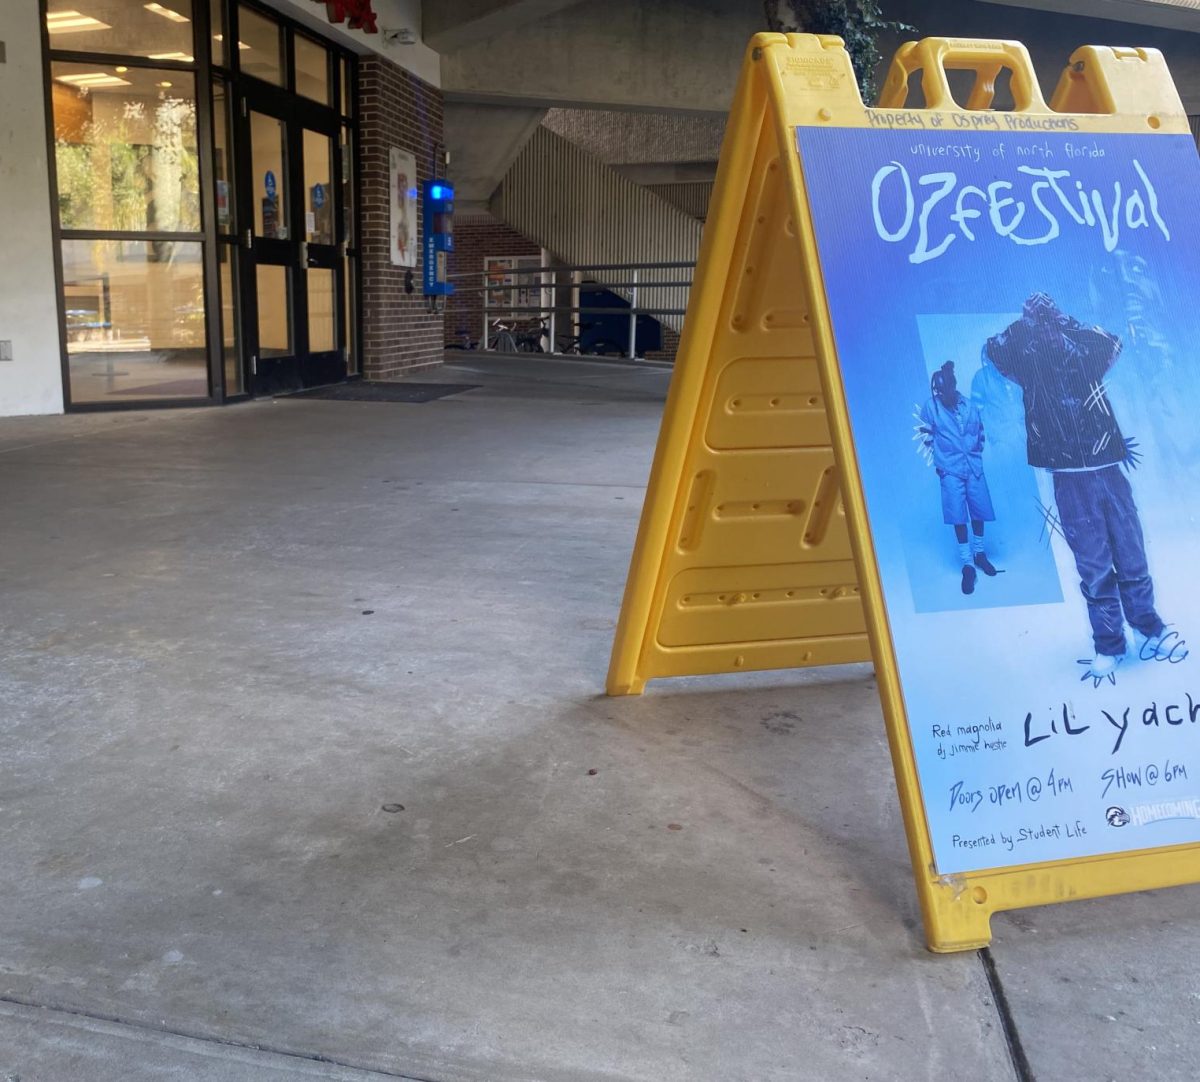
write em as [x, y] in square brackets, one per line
[229, 637]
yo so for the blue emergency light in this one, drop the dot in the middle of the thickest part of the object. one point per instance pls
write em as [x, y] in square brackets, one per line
[438, 200]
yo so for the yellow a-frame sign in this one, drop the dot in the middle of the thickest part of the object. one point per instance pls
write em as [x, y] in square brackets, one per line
[743, 560]
[770, 537]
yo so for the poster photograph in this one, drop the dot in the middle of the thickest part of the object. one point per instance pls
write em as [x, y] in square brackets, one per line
[530, 293]
[1017, 319]
[402, 168]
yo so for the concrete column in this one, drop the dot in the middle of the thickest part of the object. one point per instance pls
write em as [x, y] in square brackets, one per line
[32, 381]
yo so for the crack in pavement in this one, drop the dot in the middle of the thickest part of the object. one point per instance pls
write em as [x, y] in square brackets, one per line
[20, 1010]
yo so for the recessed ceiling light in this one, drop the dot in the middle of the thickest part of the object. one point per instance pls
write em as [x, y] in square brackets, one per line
[182, 57]
[221, 37]
[120, 68]
[90, 79]
[167, 13]
[72, 22]
[164, 83]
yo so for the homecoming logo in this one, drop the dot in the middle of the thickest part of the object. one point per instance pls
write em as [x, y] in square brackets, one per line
[1141, 814]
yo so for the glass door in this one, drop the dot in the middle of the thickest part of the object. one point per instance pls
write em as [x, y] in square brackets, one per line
[291, 262]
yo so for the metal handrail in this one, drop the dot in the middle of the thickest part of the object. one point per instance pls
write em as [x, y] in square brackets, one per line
[534, 276]
[587, 267]
[604, 311]
[607, 285]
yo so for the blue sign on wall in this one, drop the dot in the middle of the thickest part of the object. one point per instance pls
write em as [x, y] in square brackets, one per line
[438, 224]
[1016, 320]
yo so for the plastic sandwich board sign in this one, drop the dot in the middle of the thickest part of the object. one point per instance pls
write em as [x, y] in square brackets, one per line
[934, 405]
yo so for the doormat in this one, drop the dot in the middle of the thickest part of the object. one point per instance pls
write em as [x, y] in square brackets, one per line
[361, 391]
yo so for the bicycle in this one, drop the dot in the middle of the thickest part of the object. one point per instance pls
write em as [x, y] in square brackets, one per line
[530, 341]
[502, 340]
[568, 345]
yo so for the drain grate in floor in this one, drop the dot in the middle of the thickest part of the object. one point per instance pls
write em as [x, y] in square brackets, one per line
[361, 391]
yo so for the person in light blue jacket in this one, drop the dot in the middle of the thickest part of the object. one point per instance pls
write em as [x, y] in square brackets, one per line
[953, 431]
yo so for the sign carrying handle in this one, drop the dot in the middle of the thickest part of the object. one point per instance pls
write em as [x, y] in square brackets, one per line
[933, 57]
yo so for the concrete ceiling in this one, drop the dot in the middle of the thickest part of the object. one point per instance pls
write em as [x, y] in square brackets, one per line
[615, 54]
[483, 140]
[684, 55]
[1172, 14]
[627, 137]
[447, 25]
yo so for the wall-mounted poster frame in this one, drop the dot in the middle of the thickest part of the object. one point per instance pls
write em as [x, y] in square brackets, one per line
[402, 184]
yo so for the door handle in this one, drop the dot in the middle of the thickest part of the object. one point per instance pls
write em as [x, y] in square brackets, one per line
[304, 254]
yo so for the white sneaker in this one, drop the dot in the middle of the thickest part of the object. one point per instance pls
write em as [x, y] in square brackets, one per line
[1100, 668]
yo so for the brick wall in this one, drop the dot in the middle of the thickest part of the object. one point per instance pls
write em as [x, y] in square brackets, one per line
[395, 108]
[670, 346]
[477, 236]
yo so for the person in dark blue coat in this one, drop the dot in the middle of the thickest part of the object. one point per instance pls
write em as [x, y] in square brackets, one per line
[953, 432]
[1072, 431]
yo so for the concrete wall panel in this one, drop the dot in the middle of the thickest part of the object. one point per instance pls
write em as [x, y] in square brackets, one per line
[692, 199]
[32, 381]
[573, 204]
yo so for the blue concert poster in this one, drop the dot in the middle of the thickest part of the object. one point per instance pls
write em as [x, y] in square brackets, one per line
[1017, 322]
